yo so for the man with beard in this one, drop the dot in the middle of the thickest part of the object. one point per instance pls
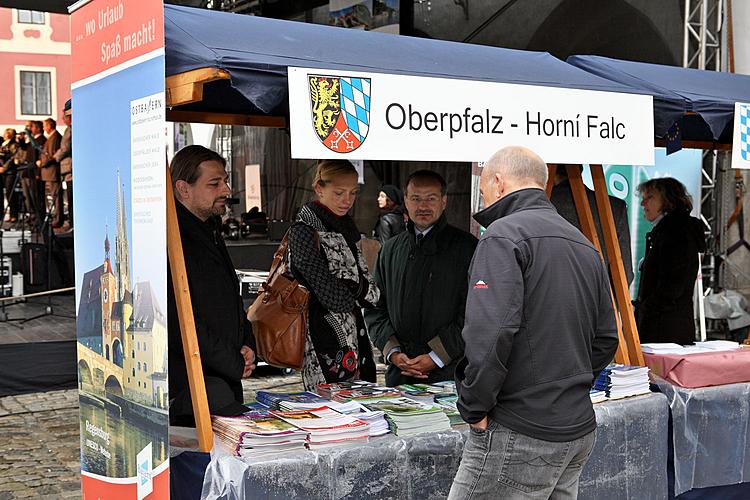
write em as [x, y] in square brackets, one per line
[199, 180]
[422, 276]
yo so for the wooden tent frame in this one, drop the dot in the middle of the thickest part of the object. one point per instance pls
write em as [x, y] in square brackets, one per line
[187, 87]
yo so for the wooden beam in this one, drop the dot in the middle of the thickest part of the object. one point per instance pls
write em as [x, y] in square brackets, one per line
[187, 87]
[616, 269]
[586, 221]
[176, 115]
[187, 325]
[552, 167]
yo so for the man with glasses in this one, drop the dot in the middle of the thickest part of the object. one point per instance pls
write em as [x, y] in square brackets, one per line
[422, 276]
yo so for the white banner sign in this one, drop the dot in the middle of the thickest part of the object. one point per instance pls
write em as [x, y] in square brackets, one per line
[741, 137]
[374, 116]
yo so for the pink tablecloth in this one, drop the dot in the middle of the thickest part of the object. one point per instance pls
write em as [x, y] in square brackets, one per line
[701, 370]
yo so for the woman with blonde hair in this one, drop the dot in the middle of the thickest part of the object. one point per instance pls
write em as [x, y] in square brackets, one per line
[325, 258]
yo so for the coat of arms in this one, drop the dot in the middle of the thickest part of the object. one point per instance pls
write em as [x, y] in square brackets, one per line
[340, 109]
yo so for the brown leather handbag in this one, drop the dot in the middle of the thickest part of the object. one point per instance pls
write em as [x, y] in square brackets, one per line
[279, 315]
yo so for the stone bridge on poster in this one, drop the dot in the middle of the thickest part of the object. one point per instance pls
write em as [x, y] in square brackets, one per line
[98, 374]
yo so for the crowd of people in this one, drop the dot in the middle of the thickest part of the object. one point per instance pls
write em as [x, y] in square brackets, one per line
[35, 162]
[522, 319]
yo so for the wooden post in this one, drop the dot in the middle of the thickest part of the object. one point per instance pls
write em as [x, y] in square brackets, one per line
[586, 220]
[187, 325]
[616, 269]
[551, 178]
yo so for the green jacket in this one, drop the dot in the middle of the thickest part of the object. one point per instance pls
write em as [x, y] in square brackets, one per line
[422, 297]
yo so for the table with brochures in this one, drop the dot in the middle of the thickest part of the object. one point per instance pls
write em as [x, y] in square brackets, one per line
[710, 435]
[629, 461]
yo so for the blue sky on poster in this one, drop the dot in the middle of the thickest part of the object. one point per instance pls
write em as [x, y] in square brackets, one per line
[102, 147]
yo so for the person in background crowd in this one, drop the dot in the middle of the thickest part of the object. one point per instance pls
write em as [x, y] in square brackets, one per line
[539, 329]
[391, 220]
[8, 150]
[664, 307]
[50, 171]
[33, 187]
[64, 157]
[225, 340]
[422, 275]
[325, 258]
[562, 199]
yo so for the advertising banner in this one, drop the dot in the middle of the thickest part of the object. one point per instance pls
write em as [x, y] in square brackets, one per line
[375, 116]
[119, 141]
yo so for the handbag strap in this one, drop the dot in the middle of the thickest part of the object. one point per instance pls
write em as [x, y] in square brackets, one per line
[281, 257]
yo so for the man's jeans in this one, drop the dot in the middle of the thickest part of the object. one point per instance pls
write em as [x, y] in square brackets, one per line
[499, 463]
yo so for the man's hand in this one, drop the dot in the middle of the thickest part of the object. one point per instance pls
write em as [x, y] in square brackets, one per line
[39, 163]
[249, 357]
[481, 425]
[422, 364]
[404, 363]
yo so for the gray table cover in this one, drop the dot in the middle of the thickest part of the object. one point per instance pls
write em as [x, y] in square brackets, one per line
[629, 461]
[710, 434]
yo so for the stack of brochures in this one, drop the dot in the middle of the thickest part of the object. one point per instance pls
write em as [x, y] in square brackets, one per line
[302, 401]
[258, 434]
[447, 402]
[326, 427]
[408, 417]
[621, 381]
[346, 391]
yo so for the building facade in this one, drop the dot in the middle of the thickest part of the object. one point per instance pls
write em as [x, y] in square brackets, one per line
[34, 65]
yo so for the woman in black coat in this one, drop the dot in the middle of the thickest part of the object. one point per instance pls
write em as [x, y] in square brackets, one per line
[664, 308]
[391, 220]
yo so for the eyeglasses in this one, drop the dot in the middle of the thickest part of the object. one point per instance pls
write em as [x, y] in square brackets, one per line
[431, 199]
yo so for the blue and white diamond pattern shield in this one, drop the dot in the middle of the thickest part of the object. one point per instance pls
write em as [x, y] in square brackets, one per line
[355, 103]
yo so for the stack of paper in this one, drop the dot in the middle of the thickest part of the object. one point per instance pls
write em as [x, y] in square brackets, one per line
[661, 348]
[327, 428]
[719, 345]
[258, 434]
[597, 396]
[408, 417]
[621, 381]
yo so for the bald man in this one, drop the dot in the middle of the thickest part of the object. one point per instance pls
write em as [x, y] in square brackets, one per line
[539, 328]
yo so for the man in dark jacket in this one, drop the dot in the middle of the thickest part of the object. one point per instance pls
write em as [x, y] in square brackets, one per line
[539, 328]
[391, 221]
[562, 199]
[422, 276]
[224, 336]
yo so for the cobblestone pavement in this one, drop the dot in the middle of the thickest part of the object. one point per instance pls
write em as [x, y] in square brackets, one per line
[39, 454]
[39, 437]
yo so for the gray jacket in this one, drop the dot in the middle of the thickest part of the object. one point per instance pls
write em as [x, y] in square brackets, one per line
[539, 322]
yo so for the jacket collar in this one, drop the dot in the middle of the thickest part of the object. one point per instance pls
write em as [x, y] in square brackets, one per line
[523, 199]
[430, 242]
[190, 224]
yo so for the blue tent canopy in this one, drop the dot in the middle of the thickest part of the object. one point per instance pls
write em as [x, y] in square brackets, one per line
[701, 102]
[257, 52]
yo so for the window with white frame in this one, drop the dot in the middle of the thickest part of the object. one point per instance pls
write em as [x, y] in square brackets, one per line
[36, 93]
[30, 17]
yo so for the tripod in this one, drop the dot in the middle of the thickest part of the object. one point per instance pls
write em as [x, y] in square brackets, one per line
[4, 318]
[50, 238]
